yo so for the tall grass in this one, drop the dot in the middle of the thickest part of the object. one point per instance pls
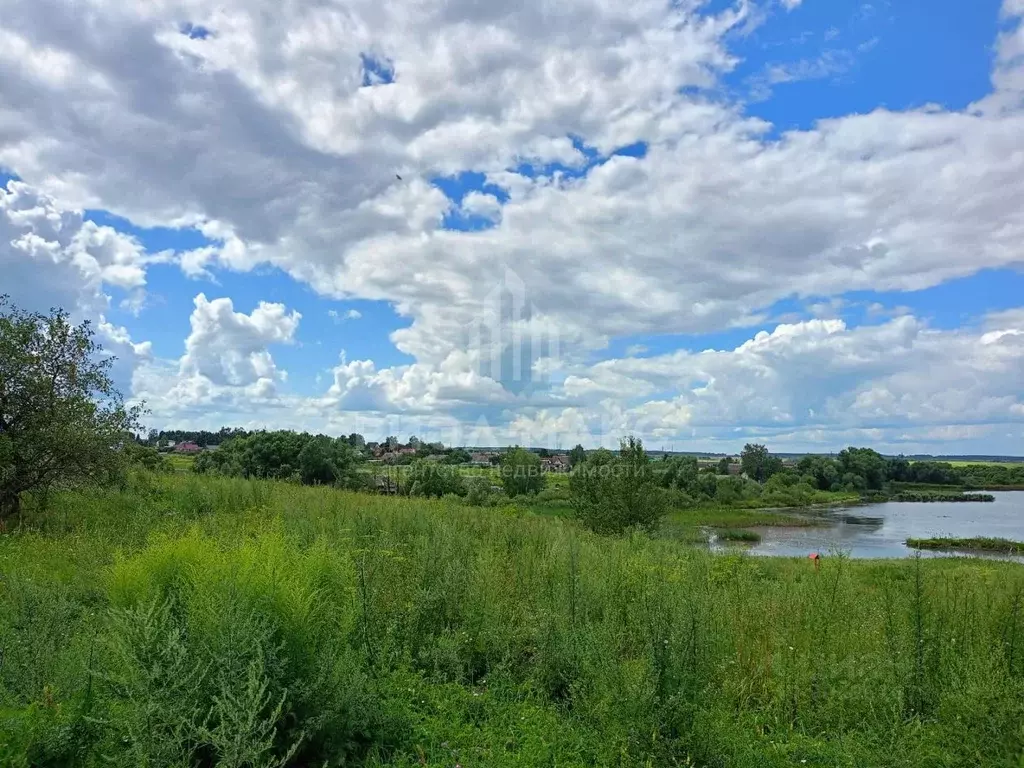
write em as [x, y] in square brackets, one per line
[217, 622]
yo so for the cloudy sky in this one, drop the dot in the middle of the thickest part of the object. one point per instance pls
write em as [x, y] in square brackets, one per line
[795, 221]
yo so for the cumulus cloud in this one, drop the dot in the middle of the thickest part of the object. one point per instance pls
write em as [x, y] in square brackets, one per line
[227, 369]
[230, 348]
[340, 317]
[307, 137]
[52, 256]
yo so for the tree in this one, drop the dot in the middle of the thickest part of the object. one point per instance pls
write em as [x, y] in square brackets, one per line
[577, 455]
[323, 461]
[458, 456]
[62, 421]
[758, 464]
[521, 473]
[863, 463]
[284, 455]
[610, 493]
[723, 465]
[428, 478]
[543, 453]
[679, 472]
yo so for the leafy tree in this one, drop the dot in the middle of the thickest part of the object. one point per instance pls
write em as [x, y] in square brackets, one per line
[577, 454]
[863, 463]
[458, 456]
[610, 493]
[723, 465]
[543, 453]
[823, 469]
[429, 478]
[325, 461]
[521, 473]
[283, 455]
[758, 464]
[679, 472]
[62, 421]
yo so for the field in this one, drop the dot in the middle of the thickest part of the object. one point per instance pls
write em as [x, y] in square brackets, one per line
[181, 462]
[200, 621]
[984, 463]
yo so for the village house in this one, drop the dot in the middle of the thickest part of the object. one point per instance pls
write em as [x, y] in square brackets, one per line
[557, 463]
[187, 447]
[481, 458]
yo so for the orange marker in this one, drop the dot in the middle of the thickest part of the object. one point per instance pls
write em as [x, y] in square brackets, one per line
[816, 558]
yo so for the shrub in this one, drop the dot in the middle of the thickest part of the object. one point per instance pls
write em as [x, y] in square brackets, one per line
[610, 495]
[521, 473]
[428, 478]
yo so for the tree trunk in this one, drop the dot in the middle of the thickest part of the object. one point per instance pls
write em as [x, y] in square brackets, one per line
[10, 506]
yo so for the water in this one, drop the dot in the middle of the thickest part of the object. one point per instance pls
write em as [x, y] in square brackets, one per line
[879, 530]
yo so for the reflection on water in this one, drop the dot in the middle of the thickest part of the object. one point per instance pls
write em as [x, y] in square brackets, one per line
[879, 530]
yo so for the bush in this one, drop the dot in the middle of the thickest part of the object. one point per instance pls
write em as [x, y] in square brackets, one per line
[428, 478]
[611, 495]
[478, 492]
[521, 473]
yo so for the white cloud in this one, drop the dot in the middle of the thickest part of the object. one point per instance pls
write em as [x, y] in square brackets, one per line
[480, 204]
[53, 256]
[230, 348]
[340, 317]
[790, 5]
[263, 136]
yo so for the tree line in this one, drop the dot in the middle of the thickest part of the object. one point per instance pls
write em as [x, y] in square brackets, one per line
[63, 423]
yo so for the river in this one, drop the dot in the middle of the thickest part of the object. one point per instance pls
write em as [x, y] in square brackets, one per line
[879, 530]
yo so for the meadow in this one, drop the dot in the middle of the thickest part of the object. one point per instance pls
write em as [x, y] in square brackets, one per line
[184, 620]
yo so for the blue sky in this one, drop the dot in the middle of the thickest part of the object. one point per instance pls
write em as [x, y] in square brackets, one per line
[386, 189]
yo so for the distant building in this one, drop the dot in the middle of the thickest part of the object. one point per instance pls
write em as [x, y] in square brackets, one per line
[187, 448]
[557, 463]
[481, 458]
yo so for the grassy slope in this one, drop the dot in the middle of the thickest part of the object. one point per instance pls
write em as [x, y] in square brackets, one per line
[403, 633]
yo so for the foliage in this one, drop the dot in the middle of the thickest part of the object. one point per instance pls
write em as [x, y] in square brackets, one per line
[994, 545]
[212, 621]
[758, 464]
[479, 492]
[864, 463]
[284, 455]
[991, 476]
[200, 437]
[610, 494]
[430, 478]
[521, 473]
[458, 456]
[577, 455]
[62, 422]
[934, 496]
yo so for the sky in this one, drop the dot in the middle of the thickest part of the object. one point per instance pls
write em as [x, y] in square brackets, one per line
[793, 222]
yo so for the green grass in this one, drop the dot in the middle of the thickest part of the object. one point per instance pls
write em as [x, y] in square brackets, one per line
[182, 462]
[980, 544]
[197, 621]
[742, 536]
[983, 463]
[936, 496]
